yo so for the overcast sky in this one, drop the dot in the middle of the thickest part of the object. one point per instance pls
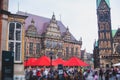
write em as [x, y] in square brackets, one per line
[79, 15]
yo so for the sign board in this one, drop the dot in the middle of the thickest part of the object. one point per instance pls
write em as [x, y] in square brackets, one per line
[60, 69]
[7, 65]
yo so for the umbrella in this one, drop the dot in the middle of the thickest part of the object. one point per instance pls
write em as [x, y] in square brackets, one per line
[58, 61]
[30, 62]
[74, 61]
[42, 61]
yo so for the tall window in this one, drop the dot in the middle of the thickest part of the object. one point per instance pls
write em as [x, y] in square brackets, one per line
[37, 48]
[11, 31]
[72, 51]
[67, 50]
[76, 53]
[17, 50]
[48, 43]
[31, 48]
[14, 42]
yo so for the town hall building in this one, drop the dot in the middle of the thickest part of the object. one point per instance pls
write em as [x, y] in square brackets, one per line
[44, 36]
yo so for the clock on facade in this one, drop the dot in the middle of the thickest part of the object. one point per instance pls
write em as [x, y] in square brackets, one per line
[118, 48]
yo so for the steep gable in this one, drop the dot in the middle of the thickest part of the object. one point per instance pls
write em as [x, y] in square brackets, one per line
[41, 24]
[113, 32]
[107, 2]
[117, 34]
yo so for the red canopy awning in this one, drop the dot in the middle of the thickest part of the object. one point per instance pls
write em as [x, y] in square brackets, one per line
[58, 61]
[30, 62]
[74, 61]
[42, 61]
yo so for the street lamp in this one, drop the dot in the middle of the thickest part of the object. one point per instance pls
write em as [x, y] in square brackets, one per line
[26, 58]
[51, 53]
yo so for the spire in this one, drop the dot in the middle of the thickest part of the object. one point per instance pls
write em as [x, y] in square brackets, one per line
[53, 18]
[32, 21]
[67, 28]
[96, 43]
[80, 39]
[99, 1]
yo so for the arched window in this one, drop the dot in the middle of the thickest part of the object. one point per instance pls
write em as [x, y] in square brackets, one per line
[15, 37]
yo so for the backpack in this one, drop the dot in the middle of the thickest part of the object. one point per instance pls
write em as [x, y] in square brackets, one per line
[38, 73]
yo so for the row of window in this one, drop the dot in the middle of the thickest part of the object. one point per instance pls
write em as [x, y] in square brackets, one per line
[72, 51]
[31, 48]
[104, 35]
[53, 44]
[104, 26]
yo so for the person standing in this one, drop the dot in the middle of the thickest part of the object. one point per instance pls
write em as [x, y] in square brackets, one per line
[95, 77]
[118, 74]
[114, 73]
[107, 74]
[31, 74]
[34, 75]
[38, 74]
[27, 74]
[101, 73]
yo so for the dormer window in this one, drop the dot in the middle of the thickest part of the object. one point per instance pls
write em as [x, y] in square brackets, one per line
[32, 31]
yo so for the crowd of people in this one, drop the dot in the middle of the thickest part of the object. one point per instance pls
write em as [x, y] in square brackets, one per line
[112, 73]
[71, 73]
[47, 73]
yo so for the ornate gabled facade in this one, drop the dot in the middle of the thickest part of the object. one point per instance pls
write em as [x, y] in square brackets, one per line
[116, 47]
[32, 37]
[44, 35]
[53, 41]
[104, 32]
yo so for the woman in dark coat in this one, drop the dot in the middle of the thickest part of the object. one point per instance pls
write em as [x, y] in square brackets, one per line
[107, 75]
[101, 73]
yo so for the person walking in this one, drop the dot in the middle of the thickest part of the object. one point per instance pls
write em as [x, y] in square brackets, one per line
[101, 73]
[34, 75]
[27, 74]
[38, 74]
[85, 75]
[118, 74]
[95, 77]
[107, 74]
[114, 73]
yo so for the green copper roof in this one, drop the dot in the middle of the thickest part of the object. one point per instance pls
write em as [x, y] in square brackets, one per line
[96, 44]
[113, 32]
[107, 1]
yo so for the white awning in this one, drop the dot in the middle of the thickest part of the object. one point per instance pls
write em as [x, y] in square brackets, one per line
[117, 64]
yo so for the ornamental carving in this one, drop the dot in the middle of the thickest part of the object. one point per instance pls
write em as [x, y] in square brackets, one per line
[118, 48]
